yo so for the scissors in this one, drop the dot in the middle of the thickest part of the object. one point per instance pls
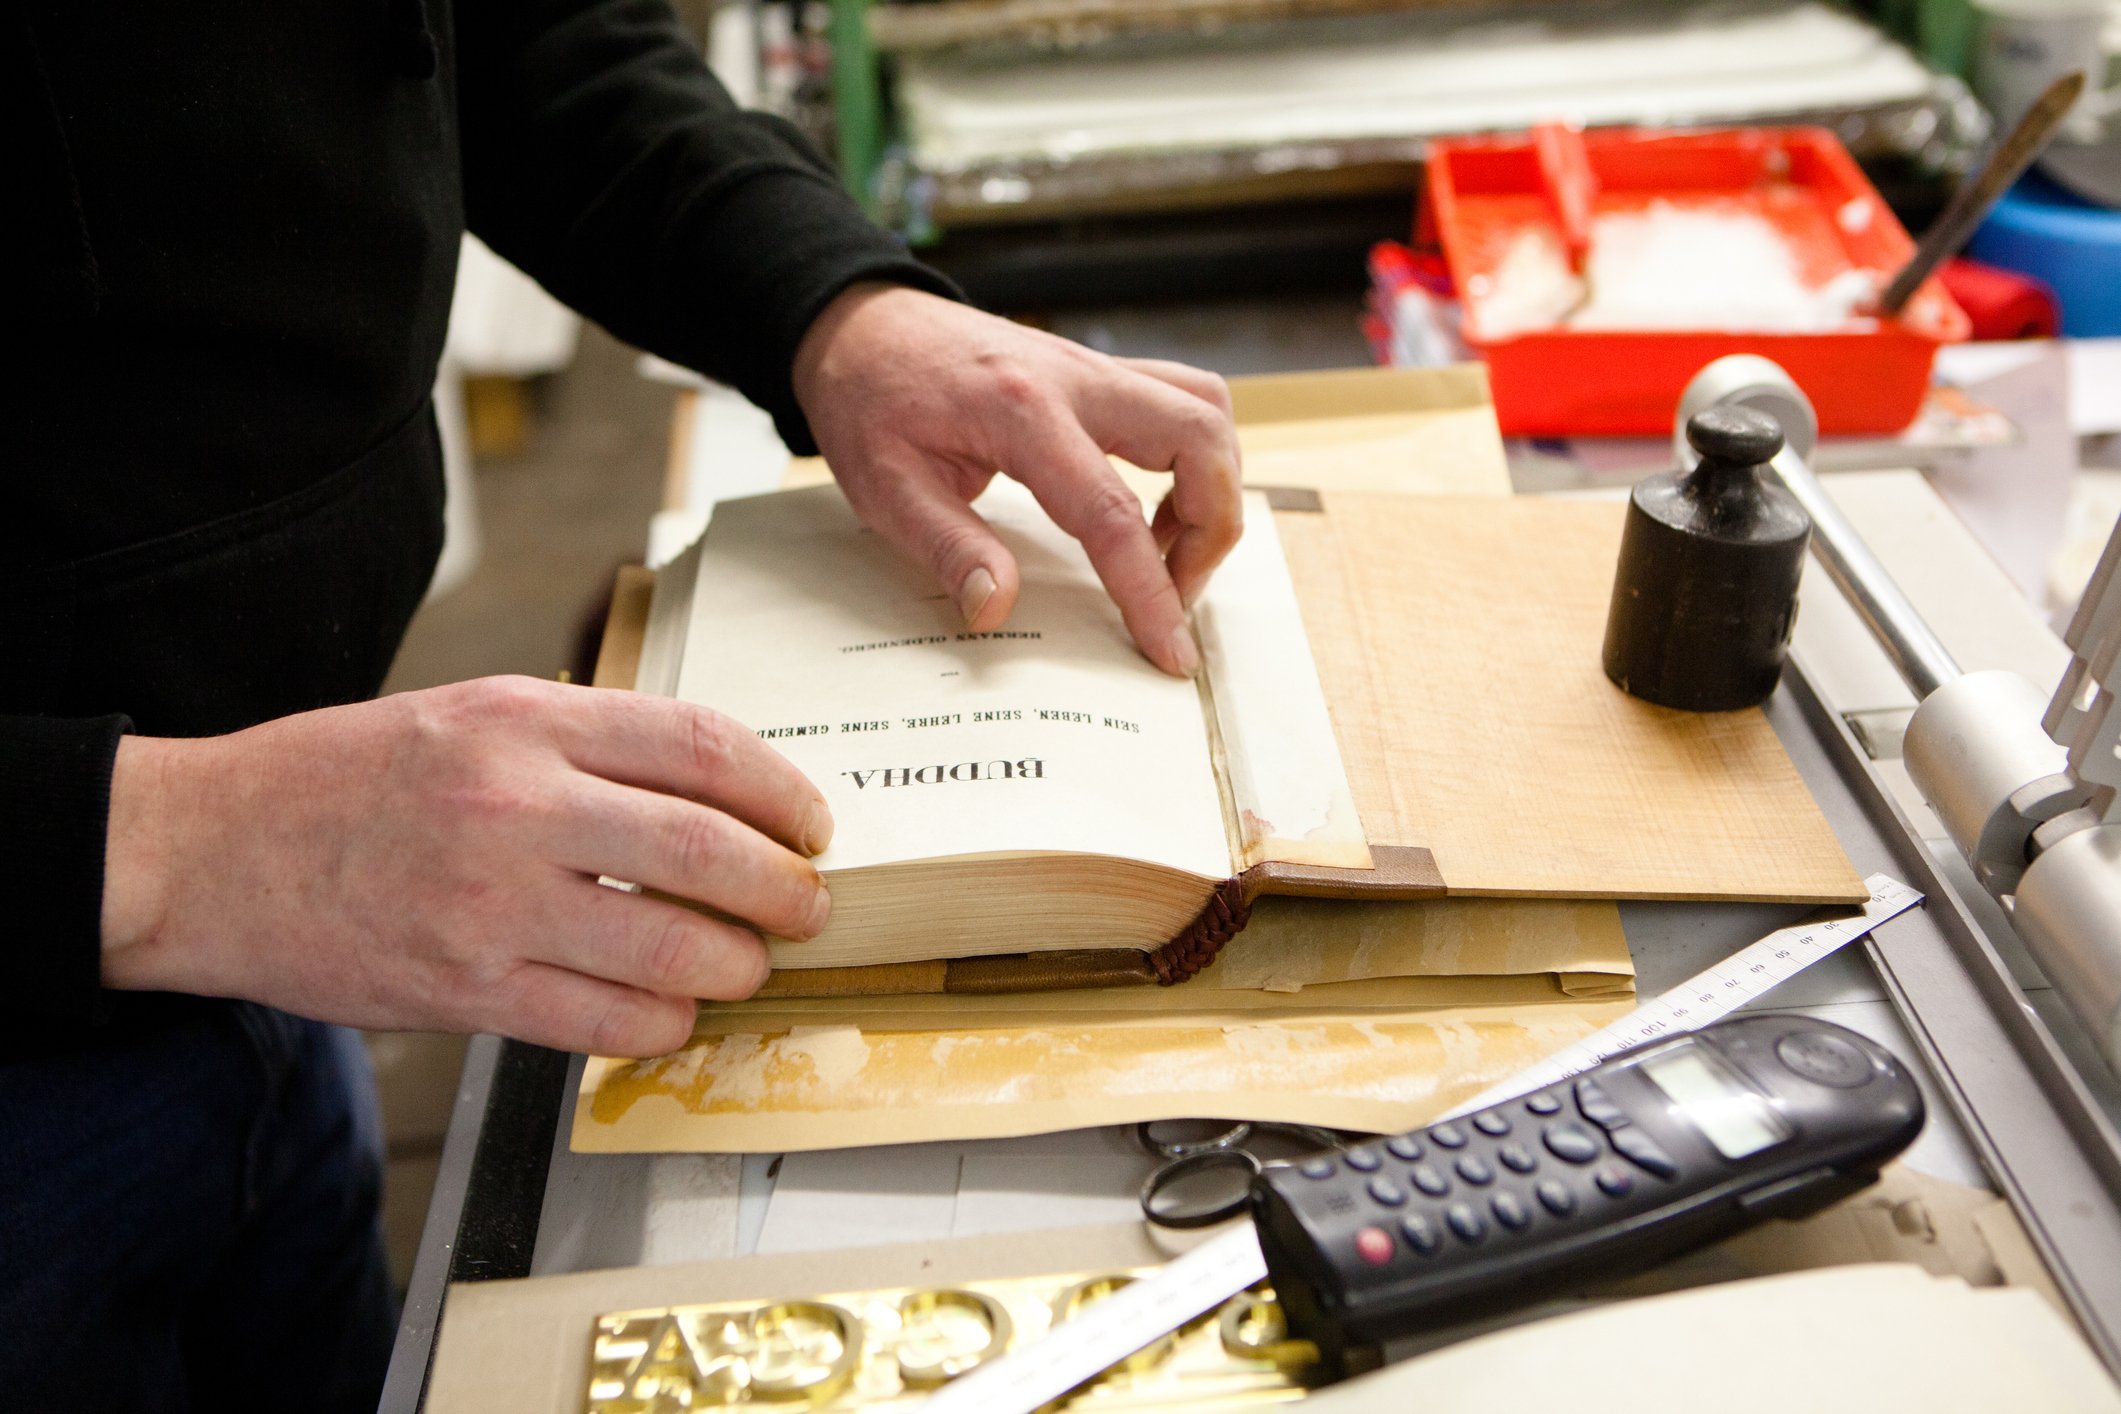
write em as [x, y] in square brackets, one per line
[1205, 1179]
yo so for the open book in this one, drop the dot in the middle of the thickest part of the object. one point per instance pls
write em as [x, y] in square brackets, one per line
[1040, 789]
[1043, 809]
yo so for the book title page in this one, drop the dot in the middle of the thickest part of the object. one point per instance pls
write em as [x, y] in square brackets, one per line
[928, 741]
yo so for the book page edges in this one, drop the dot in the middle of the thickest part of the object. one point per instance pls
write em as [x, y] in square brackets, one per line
[660, 653]
[625, 628]
[1398, 873]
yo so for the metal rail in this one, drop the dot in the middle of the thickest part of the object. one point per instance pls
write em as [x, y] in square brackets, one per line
[1749, 380]
[2033, 1119]
[1919, 656]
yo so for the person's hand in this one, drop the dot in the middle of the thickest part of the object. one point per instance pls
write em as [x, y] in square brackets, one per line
[430, 860]
[917, 402]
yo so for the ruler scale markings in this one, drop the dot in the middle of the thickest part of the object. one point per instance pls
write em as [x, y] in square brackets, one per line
[1712, 994]
[1110, 1330]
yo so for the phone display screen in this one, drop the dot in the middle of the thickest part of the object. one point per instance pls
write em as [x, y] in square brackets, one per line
[1731, 1115]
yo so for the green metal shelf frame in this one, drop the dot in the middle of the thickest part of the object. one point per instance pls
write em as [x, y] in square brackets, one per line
[857, 100]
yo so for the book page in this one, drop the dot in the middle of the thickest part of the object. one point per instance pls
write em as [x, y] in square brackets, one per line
[1052, 735]
[1288, 789]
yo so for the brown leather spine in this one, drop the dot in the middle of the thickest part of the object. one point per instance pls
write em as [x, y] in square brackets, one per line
[1399, 872]
[874, 980]
[1063, 970]
[1220, 921]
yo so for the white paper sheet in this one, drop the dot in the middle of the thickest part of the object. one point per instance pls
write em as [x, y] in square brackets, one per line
[861, 1197]
[922, 1192]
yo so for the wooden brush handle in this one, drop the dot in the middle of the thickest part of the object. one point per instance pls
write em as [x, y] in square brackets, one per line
[1565, 172]
[2010, 159]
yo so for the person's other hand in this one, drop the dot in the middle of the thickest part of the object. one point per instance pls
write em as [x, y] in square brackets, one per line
[917, 402]
[430, 860]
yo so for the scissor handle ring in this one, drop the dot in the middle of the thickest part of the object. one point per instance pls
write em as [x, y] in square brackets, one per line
[1198, 1161]
[1230, 1138]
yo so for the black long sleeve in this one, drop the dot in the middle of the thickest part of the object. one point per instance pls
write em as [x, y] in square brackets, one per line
[54, 796]
[223, 484]
[603, 158]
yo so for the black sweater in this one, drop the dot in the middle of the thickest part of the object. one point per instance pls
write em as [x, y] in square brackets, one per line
[234, 229]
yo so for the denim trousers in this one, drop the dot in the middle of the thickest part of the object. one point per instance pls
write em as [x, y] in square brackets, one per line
[189, 1217]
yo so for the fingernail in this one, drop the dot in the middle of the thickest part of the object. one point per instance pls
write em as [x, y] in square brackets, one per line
[1185, 653]
[820, 910]
[973, 594]
[817, 828]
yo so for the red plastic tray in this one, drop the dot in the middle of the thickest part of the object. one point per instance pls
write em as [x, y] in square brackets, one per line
[1868, 377]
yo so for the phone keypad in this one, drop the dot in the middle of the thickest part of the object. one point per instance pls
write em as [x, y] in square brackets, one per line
[1465, 1220]
[1569, 1140]
[1593, 1104]
[1496, 1184]
[1511, 1211]
[1644, 1152]
[1421, 1233]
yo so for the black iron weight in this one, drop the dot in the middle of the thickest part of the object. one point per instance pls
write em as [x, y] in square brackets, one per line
[1706, 589]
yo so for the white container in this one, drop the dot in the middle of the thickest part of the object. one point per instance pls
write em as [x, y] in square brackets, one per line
[2025, 45]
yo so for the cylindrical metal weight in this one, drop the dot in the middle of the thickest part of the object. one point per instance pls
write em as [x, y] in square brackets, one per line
[1974, 747]
[2068, 910]
[1705, 591]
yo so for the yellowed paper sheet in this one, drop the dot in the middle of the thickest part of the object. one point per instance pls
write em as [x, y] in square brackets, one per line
[1525, 964]
[838, 1087]
[1459, 644]
[1427, 455]
[1292, 943]
[1424, 431]
[1302, 954]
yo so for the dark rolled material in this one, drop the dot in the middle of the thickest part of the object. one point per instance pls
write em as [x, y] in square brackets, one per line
[1706, 589]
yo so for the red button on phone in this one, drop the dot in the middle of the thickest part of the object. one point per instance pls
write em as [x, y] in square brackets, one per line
[1374, 1245]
